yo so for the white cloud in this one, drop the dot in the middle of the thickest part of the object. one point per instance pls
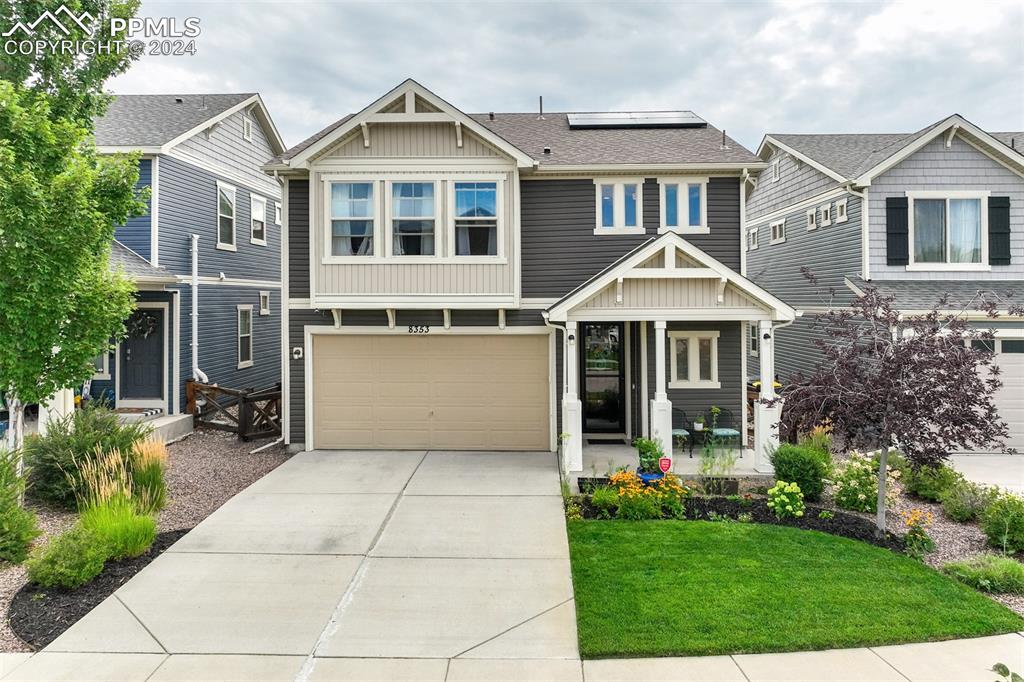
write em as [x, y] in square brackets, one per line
[746, 67]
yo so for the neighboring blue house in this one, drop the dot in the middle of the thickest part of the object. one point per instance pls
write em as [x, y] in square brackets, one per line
[915, 215]
[212, 234]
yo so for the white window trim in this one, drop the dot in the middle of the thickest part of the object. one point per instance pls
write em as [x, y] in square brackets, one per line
[246, 128]
[683, 208]
[812, 219]
[772, 239]
[499, 210]
[277, 212]
[776, 172]
[233, 191]
[619, 206]
[330, 259]
[841, 216]
[753, 339]
[826, 214]
[238, 336]
[264, 303]
[693, 358]
[255, 199]
[103, 373]
[752, 244]
[982, 196]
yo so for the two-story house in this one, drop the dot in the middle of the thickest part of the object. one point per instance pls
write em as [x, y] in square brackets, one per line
[205, 257]
[515, 281]
[917, 216]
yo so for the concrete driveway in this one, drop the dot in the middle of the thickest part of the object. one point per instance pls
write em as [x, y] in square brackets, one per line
[350, 565]
[1005, 471]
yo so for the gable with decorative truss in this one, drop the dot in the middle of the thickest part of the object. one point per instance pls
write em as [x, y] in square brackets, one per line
[669, 278]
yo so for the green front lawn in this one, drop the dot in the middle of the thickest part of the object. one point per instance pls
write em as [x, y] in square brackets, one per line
[664, 588]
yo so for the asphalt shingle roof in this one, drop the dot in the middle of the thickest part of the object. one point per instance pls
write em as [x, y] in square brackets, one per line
[923, 294]
[531, 134]
[152, 120]
[133, 265]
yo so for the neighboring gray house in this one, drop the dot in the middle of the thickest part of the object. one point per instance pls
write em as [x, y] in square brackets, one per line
[506, 281]
[211, 234]
[919, 215]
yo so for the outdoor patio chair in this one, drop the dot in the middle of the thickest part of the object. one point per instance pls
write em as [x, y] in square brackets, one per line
[726, 433]
[679, 431]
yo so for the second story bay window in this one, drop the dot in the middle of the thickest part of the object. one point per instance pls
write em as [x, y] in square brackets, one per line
[352, 218]
[948, 231]
[476, 218]
[684, 205]
[619, 206]
[413, 220]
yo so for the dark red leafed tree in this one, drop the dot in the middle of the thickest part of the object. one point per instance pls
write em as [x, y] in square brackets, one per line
[921, 383]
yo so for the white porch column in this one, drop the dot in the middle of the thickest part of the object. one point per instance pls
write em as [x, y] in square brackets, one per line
[572, 408]
[661, 408]
[766, 418]
[56, 407]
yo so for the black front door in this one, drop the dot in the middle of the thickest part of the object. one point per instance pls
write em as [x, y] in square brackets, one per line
[142, 356]
[603, 377]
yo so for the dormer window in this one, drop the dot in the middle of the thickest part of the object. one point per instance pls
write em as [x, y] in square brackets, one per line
[476, 218]
[352, 218]
[619, 206]
[413, 220]
[684, 205]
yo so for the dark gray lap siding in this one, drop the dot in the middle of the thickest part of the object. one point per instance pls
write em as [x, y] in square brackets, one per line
[298, 238]
[218, 337]
[560, 250]
[700, 400]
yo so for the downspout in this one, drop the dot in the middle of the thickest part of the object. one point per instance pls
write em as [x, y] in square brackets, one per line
[197, 373]
[558, 437]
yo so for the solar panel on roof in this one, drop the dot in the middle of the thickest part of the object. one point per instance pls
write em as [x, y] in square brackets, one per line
[638, 119]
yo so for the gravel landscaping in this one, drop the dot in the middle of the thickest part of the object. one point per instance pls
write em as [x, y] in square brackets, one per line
[205, 470]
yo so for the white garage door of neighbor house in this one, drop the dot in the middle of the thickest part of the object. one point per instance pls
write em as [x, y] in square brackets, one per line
[444, 391]
[1010, 398]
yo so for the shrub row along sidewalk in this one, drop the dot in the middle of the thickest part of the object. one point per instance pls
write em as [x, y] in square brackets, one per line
[101, 518]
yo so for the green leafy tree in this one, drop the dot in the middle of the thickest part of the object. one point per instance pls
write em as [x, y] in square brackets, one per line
[59, 202]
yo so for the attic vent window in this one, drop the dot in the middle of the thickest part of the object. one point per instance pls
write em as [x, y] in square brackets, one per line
[247, 129]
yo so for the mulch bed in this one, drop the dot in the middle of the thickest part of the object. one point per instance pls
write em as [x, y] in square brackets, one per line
[40, 615]
[842, 523]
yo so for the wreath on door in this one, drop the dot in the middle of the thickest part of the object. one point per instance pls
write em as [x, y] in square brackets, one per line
[142, 324]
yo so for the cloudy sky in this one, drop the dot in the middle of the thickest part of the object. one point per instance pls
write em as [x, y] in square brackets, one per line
[748, 67]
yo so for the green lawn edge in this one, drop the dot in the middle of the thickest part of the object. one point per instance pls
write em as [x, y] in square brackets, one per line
[699, 588]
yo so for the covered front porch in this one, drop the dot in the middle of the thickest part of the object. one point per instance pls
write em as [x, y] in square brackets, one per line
[656, 346]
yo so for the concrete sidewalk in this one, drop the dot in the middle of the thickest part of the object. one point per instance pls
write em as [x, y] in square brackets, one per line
[966, 660]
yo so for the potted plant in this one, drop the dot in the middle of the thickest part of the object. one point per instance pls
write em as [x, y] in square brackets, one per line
[698, 423]
[649, 451]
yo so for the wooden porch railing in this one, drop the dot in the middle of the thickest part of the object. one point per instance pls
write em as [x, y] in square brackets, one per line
[256, 413]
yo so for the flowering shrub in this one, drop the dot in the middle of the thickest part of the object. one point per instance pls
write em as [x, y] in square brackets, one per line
[855, 485]
[638, 501]
[785, 499]
[918, 542]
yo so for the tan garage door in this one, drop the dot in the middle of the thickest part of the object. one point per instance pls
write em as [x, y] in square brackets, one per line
[1010, 398]
[459, 392]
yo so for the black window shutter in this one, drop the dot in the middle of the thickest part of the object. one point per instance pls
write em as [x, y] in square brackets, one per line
[999, 230]
[897, 249]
